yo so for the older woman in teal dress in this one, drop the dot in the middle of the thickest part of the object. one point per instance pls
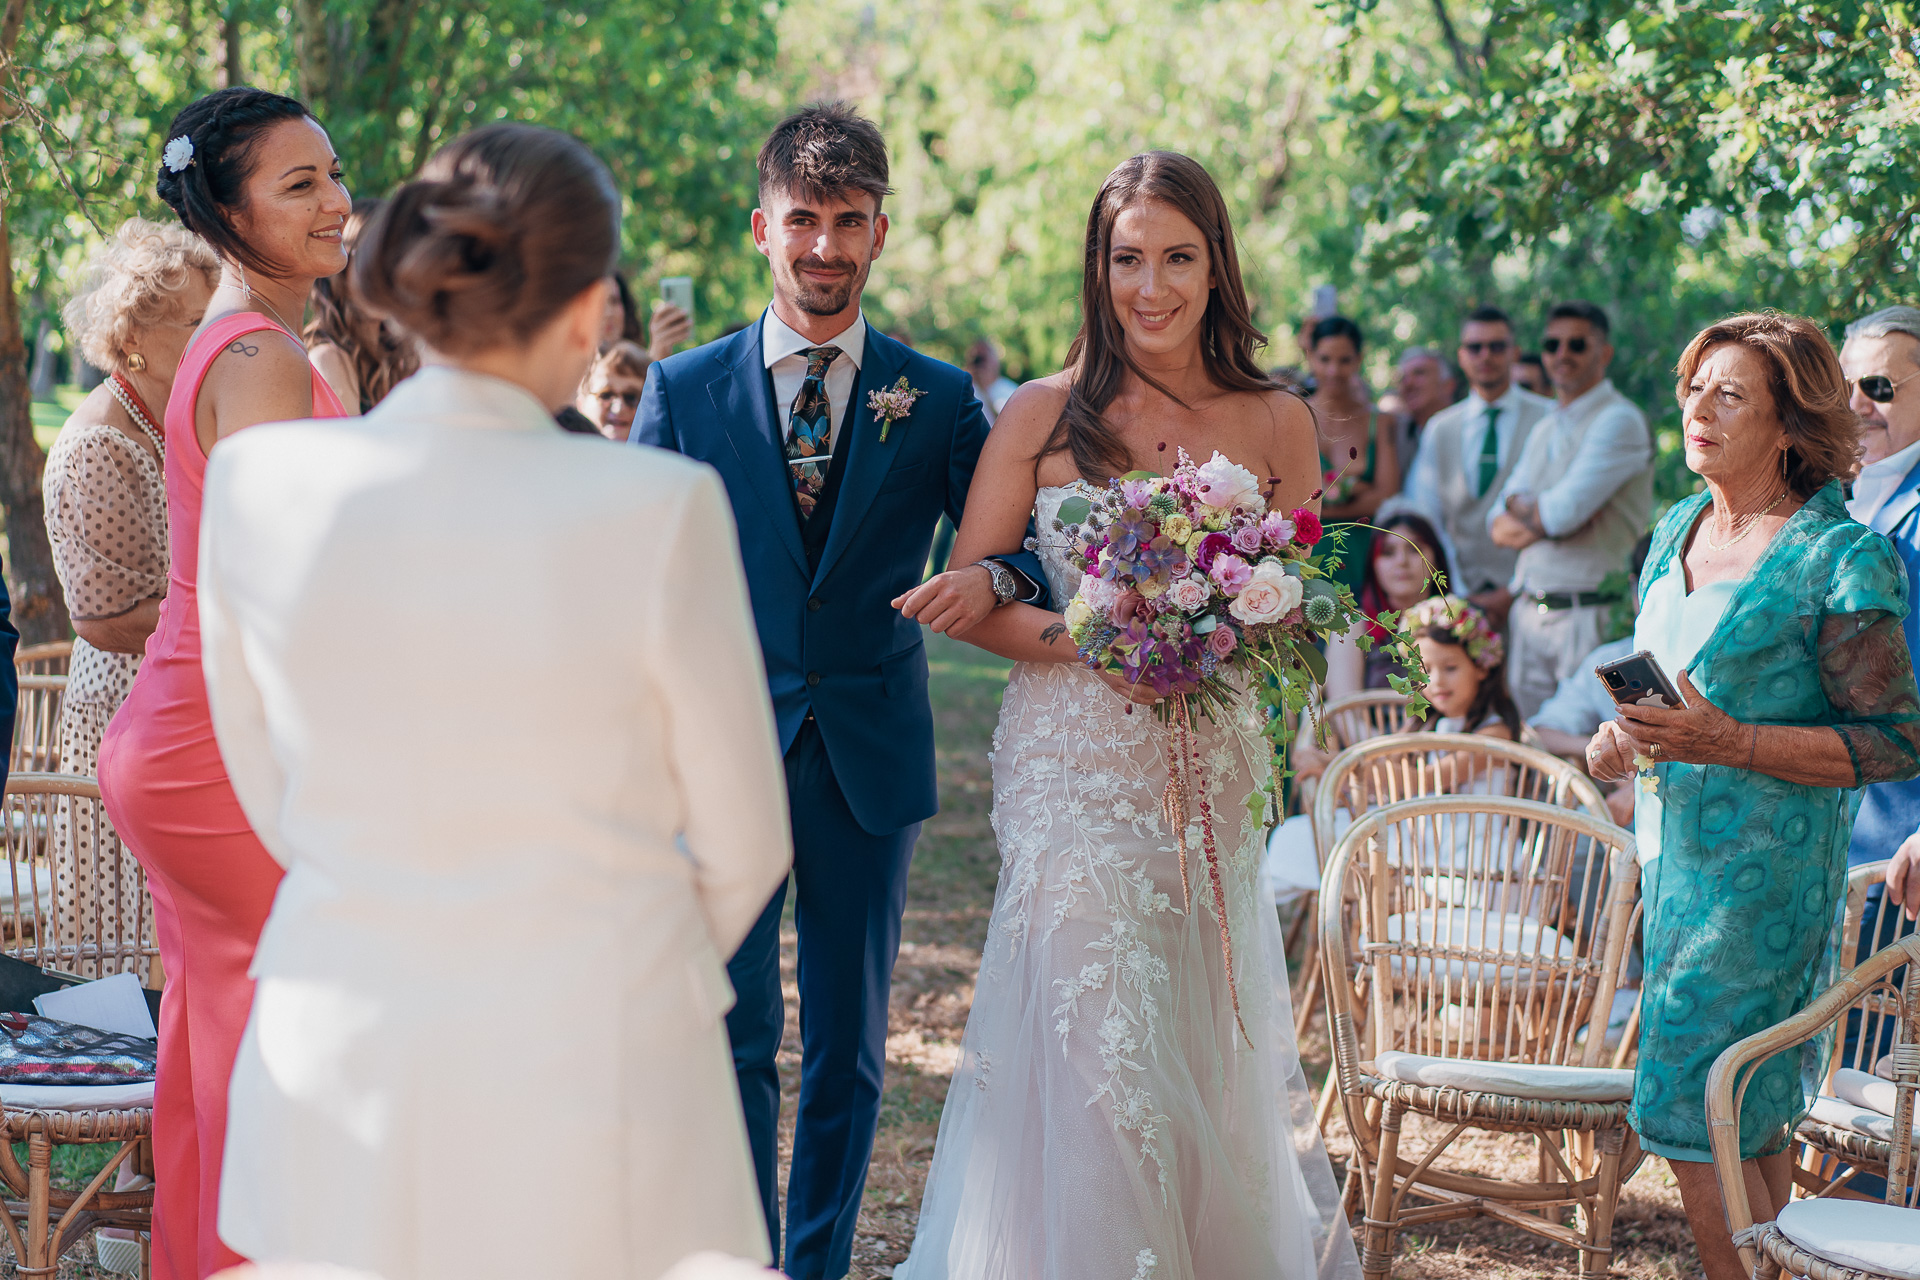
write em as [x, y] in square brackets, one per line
[1779, 620]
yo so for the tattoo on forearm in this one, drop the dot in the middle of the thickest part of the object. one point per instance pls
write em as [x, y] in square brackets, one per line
[1053, 632]
[243, 348]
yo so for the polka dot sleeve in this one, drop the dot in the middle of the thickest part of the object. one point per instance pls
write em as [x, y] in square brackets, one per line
[107, 519]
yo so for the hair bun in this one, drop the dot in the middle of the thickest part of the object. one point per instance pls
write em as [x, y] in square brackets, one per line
[503, 228]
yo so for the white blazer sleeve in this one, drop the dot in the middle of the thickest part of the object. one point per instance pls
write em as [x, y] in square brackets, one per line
[712, 687]
[239, 712]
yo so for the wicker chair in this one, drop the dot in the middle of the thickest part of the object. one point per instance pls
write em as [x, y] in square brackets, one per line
[108, 932]
[43, 659]
[1401, 766]
[1833, 1237]
[36, 725]
[1839, 1141]
[1493, 951]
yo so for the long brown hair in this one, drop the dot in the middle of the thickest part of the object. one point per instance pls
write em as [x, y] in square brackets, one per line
[381, 358]
[1098, 360]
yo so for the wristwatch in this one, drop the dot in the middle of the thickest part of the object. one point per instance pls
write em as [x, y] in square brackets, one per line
[1005, 585]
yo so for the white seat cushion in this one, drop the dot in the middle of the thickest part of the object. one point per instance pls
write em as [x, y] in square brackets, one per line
[1875, 1093]
[1513, 1079]
[1881, 1238]
[1842, 1114]
[75, 1097]
[1475, 929]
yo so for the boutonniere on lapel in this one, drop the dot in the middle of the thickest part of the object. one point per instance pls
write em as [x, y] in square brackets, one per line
[892, 405]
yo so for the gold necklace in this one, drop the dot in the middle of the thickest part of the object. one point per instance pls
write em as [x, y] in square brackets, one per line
[1746, 525]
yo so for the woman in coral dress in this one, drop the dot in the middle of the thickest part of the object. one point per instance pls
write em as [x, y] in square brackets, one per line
[254, 175]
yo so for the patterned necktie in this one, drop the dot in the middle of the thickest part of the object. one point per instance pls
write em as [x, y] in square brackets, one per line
[1489, 451]
[810, 431]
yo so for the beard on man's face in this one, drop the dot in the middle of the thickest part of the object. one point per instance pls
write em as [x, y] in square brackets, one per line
[824, 299]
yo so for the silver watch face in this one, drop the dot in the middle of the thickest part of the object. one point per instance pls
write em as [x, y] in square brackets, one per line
[1003, 587]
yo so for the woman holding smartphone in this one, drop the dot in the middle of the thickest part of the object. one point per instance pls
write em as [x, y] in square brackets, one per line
[1778, 621]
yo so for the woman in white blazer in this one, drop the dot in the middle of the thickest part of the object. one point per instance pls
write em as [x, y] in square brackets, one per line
[492, 694]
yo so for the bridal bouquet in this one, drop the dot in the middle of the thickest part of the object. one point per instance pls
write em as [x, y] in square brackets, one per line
[1190, 586]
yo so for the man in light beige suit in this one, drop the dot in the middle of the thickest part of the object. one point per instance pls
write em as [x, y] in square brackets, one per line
[1466, 453]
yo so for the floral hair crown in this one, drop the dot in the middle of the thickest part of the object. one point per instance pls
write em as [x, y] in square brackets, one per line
[1470, 628]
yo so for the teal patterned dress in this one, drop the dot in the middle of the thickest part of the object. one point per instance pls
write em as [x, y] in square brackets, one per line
[1742, 892]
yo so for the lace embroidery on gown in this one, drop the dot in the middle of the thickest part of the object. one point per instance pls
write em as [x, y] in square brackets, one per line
[1105, 1120]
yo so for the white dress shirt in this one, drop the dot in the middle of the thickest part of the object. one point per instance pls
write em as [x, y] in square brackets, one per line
[785, 353]
[1589, 465]
[1877, 481]
[1423, 483]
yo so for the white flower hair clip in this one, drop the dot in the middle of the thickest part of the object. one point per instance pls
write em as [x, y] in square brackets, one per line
[178, 154]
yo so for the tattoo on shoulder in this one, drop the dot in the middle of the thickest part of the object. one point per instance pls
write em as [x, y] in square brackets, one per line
[241, 347]
[1054, 632]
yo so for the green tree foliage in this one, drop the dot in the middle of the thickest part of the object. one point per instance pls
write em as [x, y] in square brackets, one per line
[1004, 117]
[1674, 161]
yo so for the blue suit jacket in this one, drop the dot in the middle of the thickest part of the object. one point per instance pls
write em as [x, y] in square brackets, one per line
[1890, 811]
[833, 642]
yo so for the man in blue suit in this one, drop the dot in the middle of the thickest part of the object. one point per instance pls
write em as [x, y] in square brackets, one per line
[836, 502]
[1881, 360]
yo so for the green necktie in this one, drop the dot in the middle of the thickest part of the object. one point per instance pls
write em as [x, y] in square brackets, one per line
[1489, 451]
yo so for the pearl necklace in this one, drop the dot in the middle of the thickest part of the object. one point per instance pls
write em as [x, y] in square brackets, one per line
[129, 402]
[1746, 525]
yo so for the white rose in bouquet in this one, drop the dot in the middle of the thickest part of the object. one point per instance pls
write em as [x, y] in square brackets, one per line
[1225, 484]
[1270, 595]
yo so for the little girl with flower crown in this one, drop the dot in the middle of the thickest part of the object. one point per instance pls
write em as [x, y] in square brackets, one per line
[1466, 683]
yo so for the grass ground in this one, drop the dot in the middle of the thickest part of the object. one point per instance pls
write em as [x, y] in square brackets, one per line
[948, 901]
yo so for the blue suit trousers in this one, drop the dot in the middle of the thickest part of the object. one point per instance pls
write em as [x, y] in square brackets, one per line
[850, 889]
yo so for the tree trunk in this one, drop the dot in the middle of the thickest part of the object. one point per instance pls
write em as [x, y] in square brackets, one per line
[39, 606]
[230, 32]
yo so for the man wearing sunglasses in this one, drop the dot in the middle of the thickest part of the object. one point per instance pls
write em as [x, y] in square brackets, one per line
[1881, 361]
[1467, 452]
[1579, 496]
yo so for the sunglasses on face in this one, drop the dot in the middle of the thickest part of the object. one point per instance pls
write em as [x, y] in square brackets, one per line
[1498, 347]
[629, 398]
[1879, 388]
[1578, 346]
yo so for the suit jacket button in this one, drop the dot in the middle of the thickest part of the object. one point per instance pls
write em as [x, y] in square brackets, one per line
[813, 606]
[813, 678]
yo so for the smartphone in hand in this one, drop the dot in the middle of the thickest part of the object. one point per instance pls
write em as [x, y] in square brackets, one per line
[1637, 678]
[678, 291]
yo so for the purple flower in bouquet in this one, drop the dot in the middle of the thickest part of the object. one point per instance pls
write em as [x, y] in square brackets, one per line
[1247, 538]
[1214, 544]
[1138, 493]
[1277, 529]
[1231, 573]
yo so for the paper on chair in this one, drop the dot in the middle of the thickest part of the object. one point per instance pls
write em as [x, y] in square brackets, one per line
[112, 1004]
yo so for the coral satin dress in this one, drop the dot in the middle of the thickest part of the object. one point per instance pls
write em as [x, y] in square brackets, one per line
[166, 790]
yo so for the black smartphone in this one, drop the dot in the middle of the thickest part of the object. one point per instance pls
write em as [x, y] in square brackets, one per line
[1638, 678]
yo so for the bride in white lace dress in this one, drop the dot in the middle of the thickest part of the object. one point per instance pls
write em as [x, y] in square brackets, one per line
[1106, 1119]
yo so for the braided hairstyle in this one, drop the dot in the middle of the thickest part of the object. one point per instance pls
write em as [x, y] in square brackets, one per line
[502, 229]
[224, 128]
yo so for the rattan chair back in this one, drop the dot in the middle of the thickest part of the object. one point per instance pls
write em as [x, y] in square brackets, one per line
[1889, 983]
[1492, 929]
[1411, 766]
[50, 659]
[1355, 717]
[72, 897]
[36, 725]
